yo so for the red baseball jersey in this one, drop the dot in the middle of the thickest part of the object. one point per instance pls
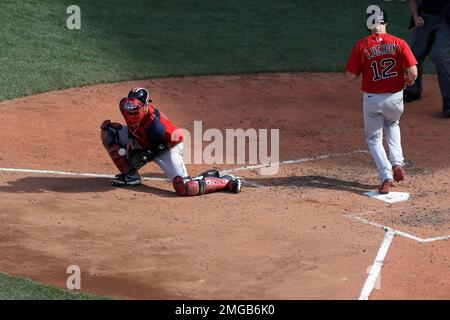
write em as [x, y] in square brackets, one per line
[382, 59]
[155, 129]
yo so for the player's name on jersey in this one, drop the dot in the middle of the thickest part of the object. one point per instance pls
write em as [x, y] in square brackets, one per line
[381, 49]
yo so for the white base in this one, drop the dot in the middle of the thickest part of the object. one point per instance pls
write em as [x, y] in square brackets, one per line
[391, 197]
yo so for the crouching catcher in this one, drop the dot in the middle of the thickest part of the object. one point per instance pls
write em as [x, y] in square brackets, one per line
[149, 136]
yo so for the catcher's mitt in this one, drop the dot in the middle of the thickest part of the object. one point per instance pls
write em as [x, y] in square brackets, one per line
[137, 158]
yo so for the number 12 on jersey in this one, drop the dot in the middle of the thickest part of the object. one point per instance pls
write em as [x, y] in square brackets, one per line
[386, 65]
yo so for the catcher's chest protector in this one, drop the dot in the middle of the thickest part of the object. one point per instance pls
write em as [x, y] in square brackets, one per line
[152, 131]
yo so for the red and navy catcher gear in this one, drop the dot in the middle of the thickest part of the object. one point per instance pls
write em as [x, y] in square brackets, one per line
[207, 182]
[133, 112]
[110, 137]
[142, 94]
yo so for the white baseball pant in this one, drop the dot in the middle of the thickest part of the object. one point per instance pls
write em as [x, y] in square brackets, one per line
[170, 161]
[383, 111]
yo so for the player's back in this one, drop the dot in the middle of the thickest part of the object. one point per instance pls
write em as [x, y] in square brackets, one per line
[382, 63]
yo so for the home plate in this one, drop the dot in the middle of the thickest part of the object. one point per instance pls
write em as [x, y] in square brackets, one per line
[391, 197]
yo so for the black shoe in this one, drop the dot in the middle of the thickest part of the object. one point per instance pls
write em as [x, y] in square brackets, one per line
[122, 180]
[211, 173]
[446, 110]
[410, 97]
[235, 184]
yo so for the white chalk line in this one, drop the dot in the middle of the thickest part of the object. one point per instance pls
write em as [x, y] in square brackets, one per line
[444, 238]
[273, 164]
[68, 173]
[397, 232]
[98, 175]
[244, 181]
[375, 271]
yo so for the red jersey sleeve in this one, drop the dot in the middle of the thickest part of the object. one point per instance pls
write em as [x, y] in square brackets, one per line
[408, 57]
[354, 64]
[173, 135]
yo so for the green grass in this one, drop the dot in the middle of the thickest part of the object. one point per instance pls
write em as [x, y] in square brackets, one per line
[176, 38]
[13, 288]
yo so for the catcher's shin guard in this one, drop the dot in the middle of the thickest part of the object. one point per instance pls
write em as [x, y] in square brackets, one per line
[110, 139]
[198, 186]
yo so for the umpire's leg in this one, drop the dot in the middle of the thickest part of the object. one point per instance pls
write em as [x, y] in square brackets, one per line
[441, 58]
[422, 42]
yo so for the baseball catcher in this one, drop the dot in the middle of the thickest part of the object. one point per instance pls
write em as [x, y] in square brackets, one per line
[149, 136]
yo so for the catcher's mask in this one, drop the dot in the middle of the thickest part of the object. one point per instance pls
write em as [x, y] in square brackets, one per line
[141, 94]
[133, 111]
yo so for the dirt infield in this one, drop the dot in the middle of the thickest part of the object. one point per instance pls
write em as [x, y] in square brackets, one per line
[299, 235]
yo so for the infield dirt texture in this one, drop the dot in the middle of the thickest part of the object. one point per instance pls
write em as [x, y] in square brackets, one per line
[307, 232]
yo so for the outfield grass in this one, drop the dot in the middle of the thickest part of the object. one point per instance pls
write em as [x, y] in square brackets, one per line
[175, 38]
[13, 288]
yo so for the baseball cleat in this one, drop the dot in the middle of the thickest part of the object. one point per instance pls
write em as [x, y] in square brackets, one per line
[122, 180]
[399, 173]
[235, 185]
[446, 110]
[385, 186]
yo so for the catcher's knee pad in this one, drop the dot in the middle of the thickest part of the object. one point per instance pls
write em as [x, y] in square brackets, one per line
[109, 133]
[111, 141]
[198, 186]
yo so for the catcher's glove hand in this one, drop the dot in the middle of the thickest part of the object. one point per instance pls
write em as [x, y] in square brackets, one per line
[137, 158]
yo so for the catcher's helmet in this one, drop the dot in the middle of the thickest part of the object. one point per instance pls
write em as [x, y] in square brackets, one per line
[141, 94]
[133, 111]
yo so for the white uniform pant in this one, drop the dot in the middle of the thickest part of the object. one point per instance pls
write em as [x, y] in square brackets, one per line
[383, 111]
[170, 161]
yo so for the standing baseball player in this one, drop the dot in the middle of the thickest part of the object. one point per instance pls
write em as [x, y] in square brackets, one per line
[386, 63]
[150, 136]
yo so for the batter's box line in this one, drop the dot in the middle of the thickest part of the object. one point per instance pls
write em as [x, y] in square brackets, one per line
[97, 175]
[286, 162]
[69, 173]
[375, 270]
[397, 232]
[245, 181]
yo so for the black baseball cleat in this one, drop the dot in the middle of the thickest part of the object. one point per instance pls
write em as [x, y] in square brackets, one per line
[446, 110]
[410, 97]
[122, 180]
[235, 183]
